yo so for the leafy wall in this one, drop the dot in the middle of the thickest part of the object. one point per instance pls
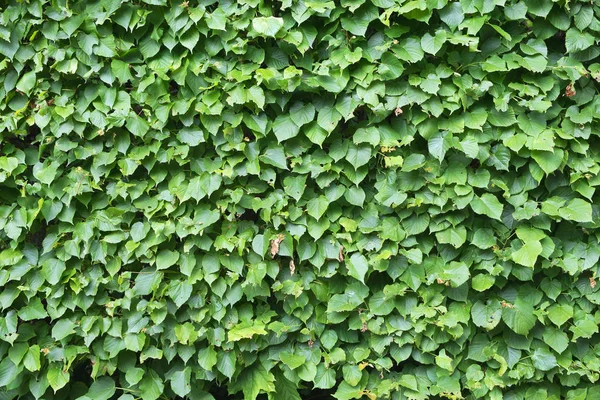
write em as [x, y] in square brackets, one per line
[379, 198]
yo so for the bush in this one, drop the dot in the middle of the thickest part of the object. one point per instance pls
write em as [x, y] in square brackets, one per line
[358, 199]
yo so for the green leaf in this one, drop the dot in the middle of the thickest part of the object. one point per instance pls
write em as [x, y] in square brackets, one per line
[343, 302]
[352, 374]
[9, 257]
[541, 8]
[62, 329]
[102, 389]
[443, 361]
[452, 15]
[556, 339]
[577, 210]
[254, 380]
[180, 382]
[31, 360]
[315, 133]
[121, 70]
[284, 389]
[482, 282]
[439, 144]
[548, 161]
[317, 207]
[52, 270]
[151, 385]
[433, 44]
[285, 128]
[515, 11]
[33, 310]
[528, 254]
[355, 196]
[576, 40]
[379, 304]
[484, 238]
[267, 26]
[325, 377]
[8, 372]
[274, 156]
[292, 360]
[543, 359]
[166, 259]
[294, 186]
[190, 38]
[520, 317]
[559, 314]
[57, 377]
[358, 155]
[45, 173]
[137, 125]
[455, 272]
[357, 266]
[487, 204]
[486, 315]
[27, 82]
[302, 114]
[454, 236]
[245, 330]
[217, 20]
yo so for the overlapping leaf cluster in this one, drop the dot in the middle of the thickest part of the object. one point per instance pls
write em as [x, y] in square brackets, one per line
[385, 198]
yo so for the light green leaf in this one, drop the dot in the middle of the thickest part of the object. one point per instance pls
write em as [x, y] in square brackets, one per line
[285, 128]
[31, 360]
[560, 313]
[57, 377]
[358, 155]
[556, 339]
[102, 389]
[543, 359]
[292, 360]
[245, 330]
[52, 270]
[577, 210]
[317, 207]
[444, 361]
[268, 26]
[520, 317]
[180, 382]
[454, 236]
[274, 156]
[27, 82]
[576, 40]
[433, 44]
[302, 114]
[357, 266]
[62, 329]
[439, 144]
[166, 259]
[487, 205]
[528, 254]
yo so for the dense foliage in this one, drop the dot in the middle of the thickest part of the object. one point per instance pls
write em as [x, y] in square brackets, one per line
[382, 198]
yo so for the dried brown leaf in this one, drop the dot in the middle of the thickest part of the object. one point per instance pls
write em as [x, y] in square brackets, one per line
[275, 244]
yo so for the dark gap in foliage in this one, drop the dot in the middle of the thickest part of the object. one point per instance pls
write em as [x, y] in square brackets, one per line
[36, 237]
[82, 371]
[248, 215]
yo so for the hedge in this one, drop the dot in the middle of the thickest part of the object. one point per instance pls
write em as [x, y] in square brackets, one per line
[376, 199]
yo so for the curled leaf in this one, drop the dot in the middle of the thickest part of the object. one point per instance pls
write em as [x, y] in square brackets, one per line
[341, 254]
[570, 90]
[275, 244]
